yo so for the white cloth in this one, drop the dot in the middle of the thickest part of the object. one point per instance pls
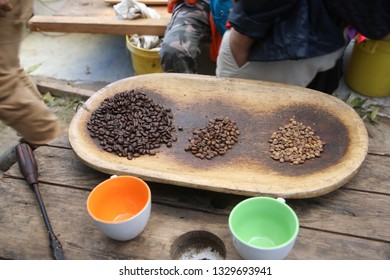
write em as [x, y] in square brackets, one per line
[131, 9]
[150, 42]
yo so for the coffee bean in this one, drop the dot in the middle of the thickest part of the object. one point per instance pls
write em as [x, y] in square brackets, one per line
[131, 124]
[295, 143]
[219, 136]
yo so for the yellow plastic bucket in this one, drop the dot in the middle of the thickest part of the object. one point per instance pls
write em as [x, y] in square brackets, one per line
[368, 71]
[144, 61]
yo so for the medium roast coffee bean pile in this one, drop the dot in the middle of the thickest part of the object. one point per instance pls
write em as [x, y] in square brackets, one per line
[295, 143]
[216, 139]
[130, 124]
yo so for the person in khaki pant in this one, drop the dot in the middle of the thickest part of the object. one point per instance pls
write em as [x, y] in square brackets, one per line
[21, 104]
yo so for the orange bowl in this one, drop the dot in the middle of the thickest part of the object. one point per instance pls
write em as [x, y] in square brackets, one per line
[120, 206]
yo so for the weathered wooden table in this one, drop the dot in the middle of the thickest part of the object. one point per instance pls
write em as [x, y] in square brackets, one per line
[352, 222]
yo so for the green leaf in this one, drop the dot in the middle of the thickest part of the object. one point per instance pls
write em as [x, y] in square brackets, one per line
[48, 98]
[374, 114]
[61, 102]
[355, 102]
[33, 68]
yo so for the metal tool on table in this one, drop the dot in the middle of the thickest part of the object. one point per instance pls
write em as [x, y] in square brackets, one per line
[29, 168]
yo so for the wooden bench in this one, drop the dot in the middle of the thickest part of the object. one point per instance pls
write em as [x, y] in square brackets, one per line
[98, 17]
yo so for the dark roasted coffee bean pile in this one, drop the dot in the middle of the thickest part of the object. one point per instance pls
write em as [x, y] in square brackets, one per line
[130, 124]
[216, 139]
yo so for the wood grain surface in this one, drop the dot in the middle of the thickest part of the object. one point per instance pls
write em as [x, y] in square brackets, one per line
[258, 108]
[146, 2]
[350, 223]
[98, 17]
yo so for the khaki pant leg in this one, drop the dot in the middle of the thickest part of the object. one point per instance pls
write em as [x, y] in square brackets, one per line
[21, 105]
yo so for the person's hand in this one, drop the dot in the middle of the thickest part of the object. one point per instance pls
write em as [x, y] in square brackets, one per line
[240, 46]
[5, 6]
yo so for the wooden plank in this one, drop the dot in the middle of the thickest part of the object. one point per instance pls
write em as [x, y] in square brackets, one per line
[341, 211]
[21, 223]
[66, 163]
[378, 133]
[78, 234]
[60, 89]
[329, 246]
[374, 176]
[96, 8]
[62, 141]
[97, 17]
[93, 8]
[98, 25]
[349, 212]
[146, 2]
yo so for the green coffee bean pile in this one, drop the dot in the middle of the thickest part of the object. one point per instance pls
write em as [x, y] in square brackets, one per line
[295, 143]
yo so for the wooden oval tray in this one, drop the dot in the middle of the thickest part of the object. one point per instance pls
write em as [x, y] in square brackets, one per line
[259, 109]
